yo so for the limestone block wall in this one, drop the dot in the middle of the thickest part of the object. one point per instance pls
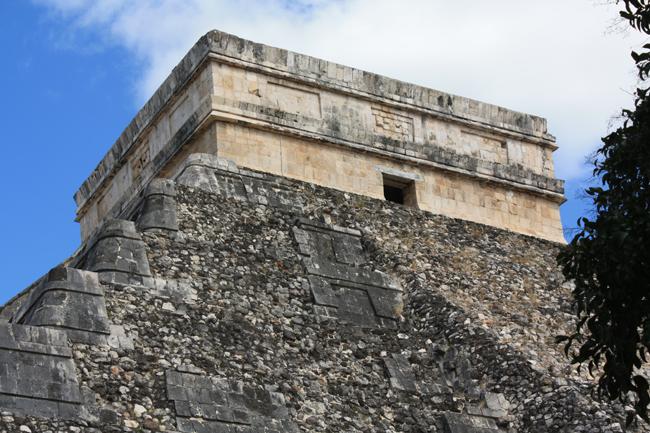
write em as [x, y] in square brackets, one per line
[441, 192]
[308, 119]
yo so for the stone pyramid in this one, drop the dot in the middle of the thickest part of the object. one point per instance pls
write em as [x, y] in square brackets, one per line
[266, 249]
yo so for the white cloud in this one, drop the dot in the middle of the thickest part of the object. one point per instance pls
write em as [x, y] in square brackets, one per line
[549, 58]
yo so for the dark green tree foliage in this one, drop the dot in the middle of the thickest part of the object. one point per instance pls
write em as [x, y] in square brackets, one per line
[609, 260]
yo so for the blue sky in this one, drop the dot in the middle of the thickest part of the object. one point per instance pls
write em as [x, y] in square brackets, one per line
[75, 72]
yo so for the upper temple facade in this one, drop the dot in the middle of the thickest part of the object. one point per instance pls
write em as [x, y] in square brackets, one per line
[299, 117]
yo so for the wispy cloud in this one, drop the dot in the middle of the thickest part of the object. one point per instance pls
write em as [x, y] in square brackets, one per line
[548, 58]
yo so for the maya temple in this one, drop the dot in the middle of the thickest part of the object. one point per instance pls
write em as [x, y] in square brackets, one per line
[278, 243]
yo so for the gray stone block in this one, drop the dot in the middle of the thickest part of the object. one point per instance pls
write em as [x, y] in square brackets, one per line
[24, 386]
[118, 339]
[172, 289]
[60, 286]
[328, 243]
[323, 293]
[464, 423]
[8, 344]
[38, 375]
[195, 409]
[213, 427]
[118, 248]
[289, 426]
[7, 402]
[356, 307]
[277, 399]
[314, 244]
[400, 372]
[387, 303]
[203, 395]
[485, 412]
[87, 396]
[237, 400]
[65, 297]
[496, 401]
[223, 413]
[236, 386]
[46, 408]
[222, 404]
[20, 333]
[95, 415]
[214, 412]
[25, 406]
[401, 377]
[203, 382]
[164, 187]
[9, 385]
[70, 310]
[280, 412]
[270, 194]
[218, 397]
[173, 378]
[325, 312]
[182, 407]
[347, 249]
[87, 337]
[68, 410]
[48, 337]
[117, 228]
[222, 177]
[197, 171]
[356, 295]
[241, 416]
[184, 425]
[158, 207]
[352, 274]
[432, 389]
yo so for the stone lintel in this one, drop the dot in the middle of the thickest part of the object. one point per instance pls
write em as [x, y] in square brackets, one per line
[398, 173]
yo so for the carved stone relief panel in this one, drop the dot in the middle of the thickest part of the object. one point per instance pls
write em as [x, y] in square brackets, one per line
[392, 124]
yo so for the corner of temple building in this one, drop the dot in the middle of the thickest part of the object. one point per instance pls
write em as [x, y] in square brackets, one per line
[296, 117]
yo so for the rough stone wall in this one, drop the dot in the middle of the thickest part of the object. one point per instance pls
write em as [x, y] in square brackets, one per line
[228, 333]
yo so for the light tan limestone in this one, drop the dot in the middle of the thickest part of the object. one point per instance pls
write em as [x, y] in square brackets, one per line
[330, 124]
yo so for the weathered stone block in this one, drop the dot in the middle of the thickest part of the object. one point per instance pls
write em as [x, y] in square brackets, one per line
[369, 299]
[400, 372]
[219, 176]
[328, 243]
[68, 298]
[40, 379]
[158, 208]
[235, 408]
[118, 255]
[463, 423]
